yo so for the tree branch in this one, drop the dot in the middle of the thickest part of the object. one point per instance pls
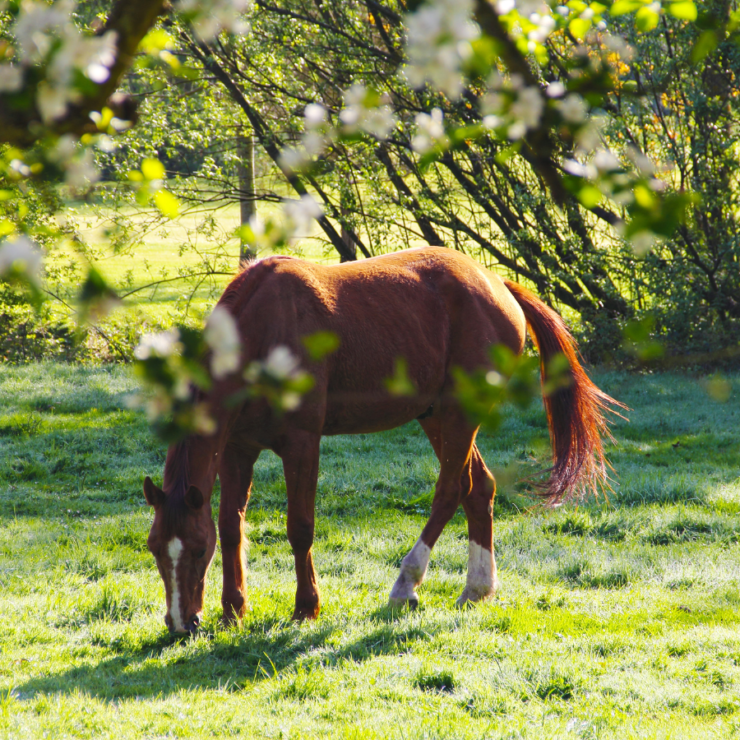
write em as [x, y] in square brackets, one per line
[130, 19]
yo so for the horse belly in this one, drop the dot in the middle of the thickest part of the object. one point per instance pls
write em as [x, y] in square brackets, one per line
[365, 390]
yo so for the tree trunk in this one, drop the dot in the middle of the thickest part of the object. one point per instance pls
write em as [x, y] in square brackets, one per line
[247, 190]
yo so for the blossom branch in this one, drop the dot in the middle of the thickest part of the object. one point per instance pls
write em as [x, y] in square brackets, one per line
[129, 20]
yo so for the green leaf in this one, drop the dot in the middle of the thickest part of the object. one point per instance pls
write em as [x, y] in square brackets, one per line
[321, 344]
[705, 45]
[625, 6]
[167, 204]
[152, 169]
[646, 19]
[644, 196]
[504, 360]
[155, 41]
[684, 9]
[589, 196]
[399, 384]
[579, 27]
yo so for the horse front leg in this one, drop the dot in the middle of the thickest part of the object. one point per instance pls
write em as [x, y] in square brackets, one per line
[235, 473]
[300, 455]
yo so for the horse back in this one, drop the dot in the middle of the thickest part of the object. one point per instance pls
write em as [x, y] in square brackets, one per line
[419, 312]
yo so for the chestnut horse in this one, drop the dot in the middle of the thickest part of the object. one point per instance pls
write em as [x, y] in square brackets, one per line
[436, 308]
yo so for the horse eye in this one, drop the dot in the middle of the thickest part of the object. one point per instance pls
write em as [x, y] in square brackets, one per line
[200, 553]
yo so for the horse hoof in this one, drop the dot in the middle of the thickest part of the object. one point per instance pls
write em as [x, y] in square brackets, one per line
[470, 596]
[305, 612]
[412, 602]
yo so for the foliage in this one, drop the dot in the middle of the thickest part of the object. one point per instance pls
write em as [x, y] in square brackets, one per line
[505, 130]
[453, 180]
[85, 651]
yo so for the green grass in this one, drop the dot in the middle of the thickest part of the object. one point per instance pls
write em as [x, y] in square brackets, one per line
[616, 619]
[158, 250]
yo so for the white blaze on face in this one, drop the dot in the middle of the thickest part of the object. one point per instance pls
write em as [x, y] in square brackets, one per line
[174, 549]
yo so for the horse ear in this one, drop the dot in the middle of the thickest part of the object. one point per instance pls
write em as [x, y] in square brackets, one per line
[154, 496]
[194, 498]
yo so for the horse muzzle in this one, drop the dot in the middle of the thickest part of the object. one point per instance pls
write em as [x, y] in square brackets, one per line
[191, 626]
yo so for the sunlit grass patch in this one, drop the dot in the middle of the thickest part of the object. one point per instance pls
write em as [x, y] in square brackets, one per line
[616, 618]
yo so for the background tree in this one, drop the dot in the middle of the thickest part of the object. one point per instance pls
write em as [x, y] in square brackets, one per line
[487, 194]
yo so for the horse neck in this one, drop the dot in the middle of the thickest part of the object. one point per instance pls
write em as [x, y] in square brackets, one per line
[191, 462]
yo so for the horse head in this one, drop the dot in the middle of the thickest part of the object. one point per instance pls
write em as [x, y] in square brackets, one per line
[183, 541]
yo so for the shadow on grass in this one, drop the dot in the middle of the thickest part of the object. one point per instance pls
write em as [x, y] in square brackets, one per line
[156, 667]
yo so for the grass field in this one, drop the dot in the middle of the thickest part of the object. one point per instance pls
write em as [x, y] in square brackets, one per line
[614, 620]
[160, 269]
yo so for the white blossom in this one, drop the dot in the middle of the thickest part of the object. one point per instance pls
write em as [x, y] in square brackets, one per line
[545, 26]
[82, 172]
[430, 130]
[588, 137]
[106, 143]
[379, 122]
[525, 7]
[578, 169]
[159, 344]
[555, 89]
[314, 143]
[11, 78]
[301, 213]
[281, 363]
[357, 115]
[294, 159]
[573, 108]
[516, 130]
[35, 22]
[528, 107]
[52, 101]
[438, 43]
[23, 255]
[315, 115]
[619, 46]
[643, 164]
[47, 36]
[210, 17]
[605, 161]
[222, 336]
[20, 168]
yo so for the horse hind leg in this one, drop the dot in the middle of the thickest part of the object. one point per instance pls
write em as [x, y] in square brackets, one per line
[452, 438]
[482, 581]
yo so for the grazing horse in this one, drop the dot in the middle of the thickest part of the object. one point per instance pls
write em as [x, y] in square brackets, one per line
[436, 308]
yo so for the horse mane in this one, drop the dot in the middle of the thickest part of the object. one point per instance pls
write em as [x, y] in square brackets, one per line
[177, 484]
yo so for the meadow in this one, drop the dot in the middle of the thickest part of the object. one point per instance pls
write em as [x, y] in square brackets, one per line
[616, 618]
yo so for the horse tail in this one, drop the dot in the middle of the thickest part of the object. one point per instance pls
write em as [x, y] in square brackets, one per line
[575, 407]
